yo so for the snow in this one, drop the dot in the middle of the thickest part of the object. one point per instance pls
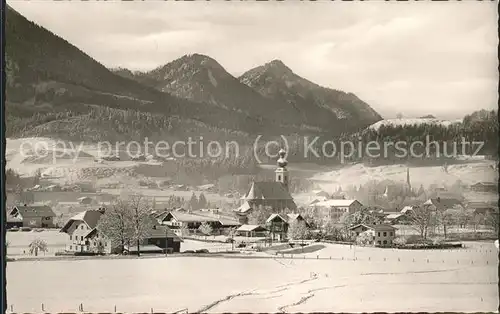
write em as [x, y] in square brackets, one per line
[357, 174]
[335, 203]
[212, 78]
[20, 240]
[410, 121]
[68, 167]
[264, 285]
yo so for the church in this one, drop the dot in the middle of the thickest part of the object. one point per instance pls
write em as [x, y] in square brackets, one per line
[274, 194]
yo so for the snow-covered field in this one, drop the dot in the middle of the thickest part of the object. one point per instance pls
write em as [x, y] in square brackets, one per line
[60, 159]
[460, 280]
[19, 242]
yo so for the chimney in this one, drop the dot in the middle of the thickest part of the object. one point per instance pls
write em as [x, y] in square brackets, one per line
[439, 199]
[25, 204]
[102, 210]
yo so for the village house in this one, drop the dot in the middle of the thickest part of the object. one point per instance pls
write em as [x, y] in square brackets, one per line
[482, 208]
[297, 217]
[179, 219]
[158, 239]
[252, 231]
[335, 208]
[278, 224]
[34, 216]
[274, 194]
[442, 204]
[382, 235]
[486, 187]
[395, 218]
[83, 235]
[226, 222]
[163, 238]
[407, 210]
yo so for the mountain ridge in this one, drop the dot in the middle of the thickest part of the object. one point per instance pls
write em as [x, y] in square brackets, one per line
[200, 78]
[277, 81]
[49, 78]
[46, 74]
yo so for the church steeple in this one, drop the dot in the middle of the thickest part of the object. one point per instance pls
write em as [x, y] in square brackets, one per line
[282, 172]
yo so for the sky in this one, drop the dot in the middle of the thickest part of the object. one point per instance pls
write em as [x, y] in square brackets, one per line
[413, 58]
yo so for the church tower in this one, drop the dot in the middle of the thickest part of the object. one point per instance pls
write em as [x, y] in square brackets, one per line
[282, 175]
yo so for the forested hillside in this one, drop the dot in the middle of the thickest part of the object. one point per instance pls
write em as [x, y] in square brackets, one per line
[47, 75]
[480, 127]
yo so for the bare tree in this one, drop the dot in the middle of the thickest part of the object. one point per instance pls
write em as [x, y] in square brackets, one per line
[477, 219]
[142, 221]
[231, 235]
[493, 220]
[421, 219]
[116, 224]
[446, 218]
[184, 230]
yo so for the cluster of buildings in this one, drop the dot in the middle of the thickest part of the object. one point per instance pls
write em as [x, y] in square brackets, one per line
[169, 226]
[85, 237]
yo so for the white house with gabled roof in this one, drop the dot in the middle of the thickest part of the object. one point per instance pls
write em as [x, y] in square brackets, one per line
[83, 235]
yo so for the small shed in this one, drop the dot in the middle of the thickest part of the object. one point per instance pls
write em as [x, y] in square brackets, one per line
[252, 231]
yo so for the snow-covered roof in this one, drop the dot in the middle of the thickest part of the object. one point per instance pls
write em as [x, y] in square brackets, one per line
[334, 203]
[406, 208]
[271, 218]
[244, 207]
[374, 227]
[251, 228]
[393, 216]
[90, 217]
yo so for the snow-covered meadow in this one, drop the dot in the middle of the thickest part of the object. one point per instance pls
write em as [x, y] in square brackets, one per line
[364, 280]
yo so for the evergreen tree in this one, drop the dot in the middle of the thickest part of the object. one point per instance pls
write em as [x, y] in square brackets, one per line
[421, 190]
[193, 202]
[202, 201]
